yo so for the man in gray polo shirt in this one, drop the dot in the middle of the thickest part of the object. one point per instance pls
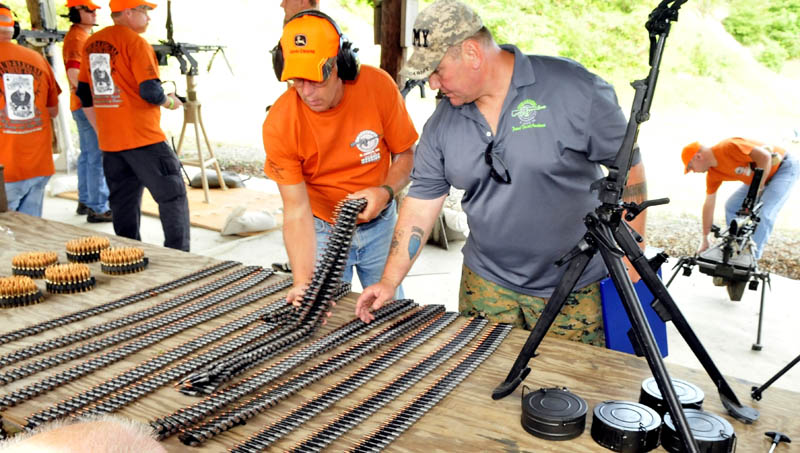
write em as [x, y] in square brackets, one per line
[524, 136]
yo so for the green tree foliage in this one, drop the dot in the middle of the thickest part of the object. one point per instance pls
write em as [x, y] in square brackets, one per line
[771, 29]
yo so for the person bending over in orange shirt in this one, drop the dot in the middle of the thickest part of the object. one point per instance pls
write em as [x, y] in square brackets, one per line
[341, 130]
[121, 94]
[28, 100]
[734, 159]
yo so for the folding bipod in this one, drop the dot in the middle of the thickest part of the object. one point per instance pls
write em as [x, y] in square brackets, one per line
[608, 234]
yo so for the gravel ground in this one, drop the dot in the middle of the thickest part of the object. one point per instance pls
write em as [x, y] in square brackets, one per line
[676, 235]
[680, 236]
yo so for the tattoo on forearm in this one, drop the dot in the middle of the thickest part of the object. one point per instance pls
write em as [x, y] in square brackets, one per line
[395, 245]
[635, 192]
[415, 242]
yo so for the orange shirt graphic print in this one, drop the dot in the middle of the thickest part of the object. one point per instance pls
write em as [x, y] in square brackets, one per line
[100, 69]
[19, 96]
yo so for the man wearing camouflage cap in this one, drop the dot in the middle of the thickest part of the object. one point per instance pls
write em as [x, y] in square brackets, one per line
[524, 136]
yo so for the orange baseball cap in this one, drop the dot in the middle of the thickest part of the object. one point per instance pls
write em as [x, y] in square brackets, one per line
[86, 3]
[121, 5]
[688, 152]
[5, 12]
[308, 42]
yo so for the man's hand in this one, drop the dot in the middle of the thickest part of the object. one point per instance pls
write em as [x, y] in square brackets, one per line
[703, 245]
[373, 298]
[377, 199]
[172, 102]
[295, 296]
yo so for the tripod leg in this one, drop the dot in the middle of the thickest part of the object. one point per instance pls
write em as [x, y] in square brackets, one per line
[757, 346]
[647, 343]
[202, 161]
[659, 291]
[757, 391]
[678, 268]
[520, 370]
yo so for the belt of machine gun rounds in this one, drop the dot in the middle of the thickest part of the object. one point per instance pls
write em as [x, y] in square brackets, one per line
[256, 275]
[177, 323]
[138, 297]
[191, 415]
[283, 390]
[358, 413]
[142, 380]
[413, 411]
[302, 323]
[312, 407]
[85, 334]
[299, 325]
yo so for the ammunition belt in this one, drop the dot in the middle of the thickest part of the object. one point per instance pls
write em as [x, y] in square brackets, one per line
[141, 329]
[142, 377]
[270, 398]
[419, 406]
[85, 334]
[140, 296]
[189, 416]
[358, 413]
[310, 408]
[299, 324]
[178, 323]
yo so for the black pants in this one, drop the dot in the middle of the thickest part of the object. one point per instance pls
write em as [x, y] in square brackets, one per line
[157, 168]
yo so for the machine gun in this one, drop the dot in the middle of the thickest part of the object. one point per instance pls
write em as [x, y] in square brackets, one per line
[732, 260]
[183, 51]
[40, 38]
[191, 105]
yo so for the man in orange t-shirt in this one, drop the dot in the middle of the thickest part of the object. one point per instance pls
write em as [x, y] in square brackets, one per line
[121, 94]
[338, 132]
[92, 187]
[28, 101]
[734, 159]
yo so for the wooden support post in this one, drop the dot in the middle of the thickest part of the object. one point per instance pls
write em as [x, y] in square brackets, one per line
[391, 50]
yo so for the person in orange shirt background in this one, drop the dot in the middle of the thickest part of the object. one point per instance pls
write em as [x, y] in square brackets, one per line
[734, 159]
[341, 130]
[121, 94]
[92, 187]
[28, 101]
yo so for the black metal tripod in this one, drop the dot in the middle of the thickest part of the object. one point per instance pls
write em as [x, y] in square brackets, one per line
[757, 391]
[608, 234]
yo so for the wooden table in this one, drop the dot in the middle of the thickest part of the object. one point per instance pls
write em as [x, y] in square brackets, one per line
[467, 420]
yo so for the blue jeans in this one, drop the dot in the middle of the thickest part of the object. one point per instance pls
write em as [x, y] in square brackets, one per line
[27, 196]
[369, 249]
[92, 188]
[775, 194]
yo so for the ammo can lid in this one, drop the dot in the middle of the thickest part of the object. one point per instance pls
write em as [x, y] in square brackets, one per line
[626, 426]
[689, 395]
[712, 433]
[554, 414]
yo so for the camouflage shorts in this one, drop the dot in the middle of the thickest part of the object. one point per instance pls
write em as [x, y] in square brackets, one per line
[580, 319]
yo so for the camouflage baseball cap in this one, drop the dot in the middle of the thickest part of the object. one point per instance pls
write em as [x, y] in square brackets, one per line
[438, 27]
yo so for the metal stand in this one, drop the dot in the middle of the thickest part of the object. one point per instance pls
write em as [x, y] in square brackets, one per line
[686, 263]
[608, 234]
[192, 115]
[757, 391]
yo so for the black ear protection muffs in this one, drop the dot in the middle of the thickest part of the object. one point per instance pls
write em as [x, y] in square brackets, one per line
[16, 23]
[346, 58]
[74, 15]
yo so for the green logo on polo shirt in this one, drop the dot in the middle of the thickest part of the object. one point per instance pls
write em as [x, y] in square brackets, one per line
[526, 114]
